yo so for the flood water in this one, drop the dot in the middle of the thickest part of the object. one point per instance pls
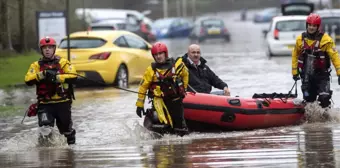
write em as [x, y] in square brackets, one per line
[109, 133]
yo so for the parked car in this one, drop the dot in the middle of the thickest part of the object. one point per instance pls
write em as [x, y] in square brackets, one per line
[112, 57]
[172, 27]
[266, 15]
[283, 30]
[209, 28]
[330, 22]
[129, 23]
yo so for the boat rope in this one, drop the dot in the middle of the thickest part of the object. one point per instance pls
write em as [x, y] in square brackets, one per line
[117, 87]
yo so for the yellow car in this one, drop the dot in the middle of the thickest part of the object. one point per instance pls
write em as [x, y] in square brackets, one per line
[113, 57]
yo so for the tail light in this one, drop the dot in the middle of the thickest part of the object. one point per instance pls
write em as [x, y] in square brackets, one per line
[276, 34]
[225, 30]
[101, 56]
[202, 31]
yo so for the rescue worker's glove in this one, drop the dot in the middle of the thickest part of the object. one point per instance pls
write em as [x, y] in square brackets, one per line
[339, 80]
[296, 77]
[140, 111]
[50, 75]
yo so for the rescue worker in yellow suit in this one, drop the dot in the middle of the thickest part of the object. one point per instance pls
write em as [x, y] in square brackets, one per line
[53, 77]
[170, 77]
[311, 62]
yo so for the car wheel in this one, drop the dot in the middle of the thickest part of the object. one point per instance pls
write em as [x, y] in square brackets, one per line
[227, 39]
[269, 53]
[122, 77]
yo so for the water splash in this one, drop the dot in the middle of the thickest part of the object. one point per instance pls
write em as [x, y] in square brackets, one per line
[315, 113]
[29, 140]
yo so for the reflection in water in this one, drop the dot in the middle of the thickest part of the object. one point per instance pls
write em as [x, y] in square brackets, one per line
[168, 156]
[319, 149]
[43, 157]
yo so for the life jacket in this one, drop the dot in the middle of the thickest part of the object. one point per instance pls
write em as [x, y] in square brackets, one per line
[46, 90]
[321, 61]
[170, 84]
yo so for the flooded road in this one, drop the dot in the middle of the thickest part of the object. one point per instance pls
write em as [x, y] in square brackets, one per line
[109, 133]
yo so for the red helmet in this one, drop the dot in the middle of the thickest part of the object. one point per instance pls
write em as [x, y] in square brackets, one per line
[47, 41]
[314, 19]
[159, 47]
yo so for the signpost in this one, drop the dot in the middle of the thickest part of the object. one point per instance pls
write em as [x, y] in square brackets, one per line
[52, 24]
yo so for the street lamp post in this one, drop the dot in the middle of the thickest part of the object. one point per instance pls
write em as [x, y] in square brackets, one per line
[68, 29]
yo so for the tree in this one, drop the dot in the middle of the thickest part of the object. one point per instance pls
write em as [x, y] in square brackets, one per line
[23, 46]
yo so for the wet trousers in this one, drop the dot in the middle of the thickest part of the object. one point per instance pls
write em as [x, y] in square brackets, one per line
[317, 88]
[176, 110]
[60, 113]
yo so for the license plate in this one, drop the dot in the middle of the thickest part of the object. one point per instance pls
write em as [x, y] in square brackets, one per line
[214, 31]
[82, 74]
[290, 46]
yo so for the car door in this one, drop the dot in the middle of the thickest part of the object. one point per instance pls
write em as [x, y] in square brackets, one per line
[175, 28]
[185, 28]
[140, 49]
[127, 55]
[132, 24]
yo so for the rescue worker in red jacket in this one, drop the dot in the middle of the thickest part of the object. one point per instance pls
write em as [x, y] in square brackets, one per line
[171, 76]
[311, 60]
[53, 77]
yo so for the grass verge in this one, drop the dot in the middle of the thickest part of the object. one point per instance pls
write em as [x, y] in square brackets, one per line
[14, 67]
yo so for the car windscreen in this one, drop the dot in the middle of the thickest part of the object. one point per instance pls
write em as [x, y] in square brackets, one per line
[83, 43]
[291, 25]
[163, 23]
[212, 23]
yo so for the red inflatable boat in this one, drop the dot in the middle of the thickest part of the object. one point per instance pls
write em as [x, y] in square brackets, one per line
[205, 112]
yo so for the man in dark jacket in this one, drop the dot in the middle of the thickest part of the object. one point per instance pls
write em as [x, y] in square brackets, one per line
[201, 77]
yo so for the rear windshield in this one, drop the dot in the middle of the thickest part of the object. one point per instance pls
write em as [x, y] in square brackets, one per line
[291, 25]
[102, 28]
[83, 43]
[216, 23]
[330, 21]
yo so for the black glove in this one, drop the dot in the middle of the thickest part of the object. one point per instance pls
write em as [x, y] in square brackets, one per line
[140, 111]
[296, 77]
[50, 75]
[339, 80]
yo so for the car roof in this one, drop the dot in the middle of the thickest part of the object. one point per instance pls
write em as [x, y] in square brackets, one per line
[291, 17]
[328, 12]
[104, 34]
[208, 18]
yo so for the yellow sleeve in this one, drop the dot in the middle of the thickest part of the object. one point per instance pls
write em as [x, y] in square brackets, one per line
[334, 56]
[295, 55]
[144, 86]
[33, 74]
[69, 70]
[185, 76]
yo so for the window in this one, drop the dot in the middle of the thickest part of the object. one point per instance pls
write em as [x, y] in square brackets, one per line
[83, 43]
[121, 42]
[330, 24]
[212, 23]
[291, 25]
[134, 42]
